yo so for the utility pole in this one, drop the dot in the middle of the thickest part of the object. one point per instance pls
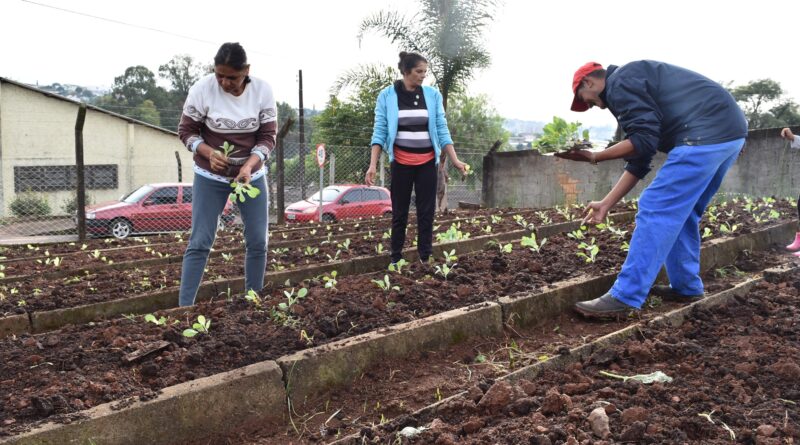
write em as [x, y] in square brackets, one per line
[79, 166]
[302, 140]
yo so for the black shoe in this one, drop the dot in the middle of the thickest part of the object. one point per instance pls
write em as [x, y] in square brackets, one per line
[667, 293]
[605, 306]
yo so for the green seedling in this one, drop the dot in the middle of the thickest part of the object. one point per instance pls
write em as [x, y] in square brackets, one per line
[330, 281]
[280, 250]
[707, 232]
[505, 248]
[625, 247]
[544, 217]
[707, 416]
[241, 190]
[200, 327]
[449, 257]
[310, 251]
[496, 219]
[150, 318]
[227, 148]
[727, 228]
[590, 251]
[530, 242]
[398, 266]
[379, 249]
[577, 234]
[227, 257]
[387, 234]
[281, 313]
[444, 270]
[487, 230]
[344, 245]
[385, 285]
[252, 297]
[335, 257]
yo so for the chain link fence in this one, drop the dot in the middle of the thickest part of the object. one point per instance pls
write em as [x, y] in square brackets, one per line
[137, 178]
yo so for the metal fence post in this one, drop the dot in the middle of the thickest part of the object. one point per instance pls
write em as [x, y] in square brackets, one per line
[280, 188]
[80, 207]
[332, 168]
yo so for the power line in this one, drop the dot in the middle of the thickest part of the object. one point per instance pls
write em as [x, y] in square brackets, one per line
[119, 22]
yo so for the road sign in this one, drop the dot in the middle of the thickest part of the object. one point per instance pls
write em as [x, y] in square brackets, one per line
[320, 154]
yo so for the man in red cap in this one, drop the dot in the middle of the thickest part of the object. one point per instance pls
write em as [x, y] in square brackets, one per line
[697, 123]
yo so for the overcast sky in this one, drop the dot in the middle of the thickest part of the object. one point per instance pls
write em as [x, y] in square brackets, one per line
[535, 45]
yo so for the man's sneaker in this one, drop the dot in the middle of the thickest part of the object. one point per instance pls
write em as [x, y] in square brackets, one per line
[603, 307]
[667, 293]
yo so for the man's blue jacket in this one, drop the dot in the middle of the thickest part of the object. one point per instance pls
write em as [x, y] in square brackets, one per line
[661, 106]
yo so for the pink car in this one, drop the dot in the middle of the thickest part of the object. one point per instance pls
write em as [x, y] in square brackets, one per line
[161, 207]
[340, 202]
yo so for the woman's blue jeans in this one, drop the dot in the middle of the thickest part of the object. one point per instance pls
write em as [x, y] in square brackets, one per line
[667, 224]
[208, 202]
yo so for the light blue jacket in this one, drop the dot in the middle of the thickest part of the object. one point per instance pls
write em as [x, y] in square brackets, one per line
[386, 118]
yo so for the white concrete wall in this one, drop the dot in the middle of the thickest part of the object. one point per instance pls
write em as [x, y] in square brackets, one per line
[36, 129]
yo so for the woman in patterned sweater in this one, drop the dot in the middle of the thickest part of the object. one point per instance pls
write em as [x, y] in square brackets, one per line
[410, 126]
[227, 106]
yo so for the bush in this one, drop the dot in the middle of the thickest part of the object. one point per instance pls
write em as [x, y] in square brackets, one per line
[70, 205]
[30, 204]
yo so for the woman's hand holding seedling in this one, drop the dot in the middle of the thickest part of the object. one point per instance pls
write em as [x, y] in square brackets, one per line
[241, 190]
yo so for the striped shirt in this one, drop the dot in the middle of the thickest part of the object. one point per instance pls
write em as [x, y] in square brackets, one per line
[413, 144]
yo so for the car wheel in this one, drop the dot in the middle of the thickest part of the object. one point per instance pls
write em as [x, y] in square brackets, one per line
[388, 214]
[328, 218]
[121, 228]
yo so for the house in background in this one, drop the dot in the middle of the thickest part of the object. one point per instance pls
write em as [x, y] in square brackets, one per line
[37, 149]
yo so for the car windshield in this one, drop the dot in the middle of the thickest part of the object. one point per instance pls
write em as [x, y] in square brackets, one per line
[328, 195]
[138, 194]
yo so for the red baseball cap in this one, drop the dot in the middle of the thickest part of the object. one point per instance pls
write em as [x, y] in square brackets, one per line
[577, 104]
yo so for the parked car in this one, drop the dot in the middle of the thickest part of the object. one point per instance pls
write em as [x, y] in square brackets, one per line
[340, 202]
[150, 208]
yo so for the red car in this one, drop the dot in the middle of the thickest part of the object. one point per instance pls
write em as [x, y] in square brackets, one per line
[150, 208]
[341, 201]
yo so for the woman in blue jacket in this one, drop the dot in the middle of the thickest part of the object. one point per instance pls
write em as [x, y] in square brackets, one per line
[410, 126]
[694, 120]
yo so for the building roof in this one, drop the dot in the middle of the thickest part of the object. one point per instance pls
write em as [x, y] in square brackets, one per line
[88, 106]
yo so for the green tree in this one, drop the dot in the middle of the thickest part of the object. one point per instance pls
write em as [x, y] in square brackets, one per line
[765, 105]
[135, 85]
[449, 33]
[182, 72]
[146, 112]
[346, 128]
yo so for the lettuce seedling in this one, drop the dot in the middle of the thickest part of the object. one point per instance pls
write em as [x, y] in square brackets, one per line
[707, 232]
[544, 217]
[590, 251]
[385, 284]
[201, 327]
[240, 190]
[252, 297]
[530, 242]
[577, 234]
[444, 270]
[330, 281]
[157, 321]
[449, 257]
[398, 266]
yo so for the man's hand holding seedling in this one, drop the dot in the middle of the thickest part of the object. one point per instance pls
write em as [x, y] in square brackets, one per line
[577, 155]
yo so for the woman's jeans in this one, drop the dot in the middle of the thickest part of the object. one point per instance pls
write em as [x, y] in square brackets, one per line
[207, 206]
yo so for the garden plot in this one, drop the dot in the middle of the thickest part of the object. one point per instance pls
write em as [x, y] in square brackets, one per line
[56, 262]
[92, 295]
[247, 330]
[393, 390]
[726, 370]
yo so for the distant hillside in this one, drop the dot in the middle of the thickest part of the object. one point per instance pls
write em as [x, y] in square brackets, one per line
[75, 92]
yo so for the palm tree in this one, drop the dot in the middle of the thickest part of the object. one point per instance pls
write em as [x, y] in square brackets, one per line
[449, 34]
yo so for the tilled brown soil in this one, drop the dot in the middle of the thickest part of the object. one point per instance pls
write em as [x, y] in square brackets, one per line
[81, 366]
[394, 390]
[35, 292]
[736, 378]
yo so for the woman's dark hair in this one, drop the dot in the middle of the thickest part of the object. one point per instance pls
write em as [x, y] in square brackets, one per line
[408, 61]
[231, 54]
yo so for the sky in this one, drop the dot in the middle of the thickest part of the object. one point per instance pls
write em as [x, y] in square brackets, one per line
[535, 46]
